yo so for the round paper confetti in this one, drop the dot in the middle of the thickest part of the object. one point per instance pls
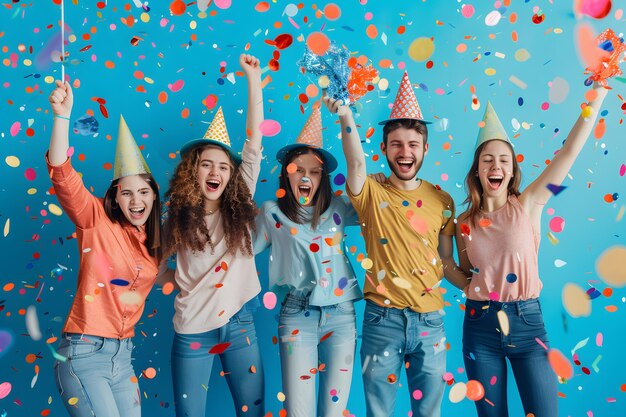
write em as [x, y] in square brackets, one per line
[5, 389]
[269, 300]
[560, 365]
[576, 301]
[269, 127]
[457, 392]
[421, 49]
[611, 266]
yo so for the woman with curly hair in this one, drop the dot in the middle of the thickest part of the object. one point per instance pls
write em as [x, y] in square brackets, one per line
[210, 218]
[304, 230]
[498, 243]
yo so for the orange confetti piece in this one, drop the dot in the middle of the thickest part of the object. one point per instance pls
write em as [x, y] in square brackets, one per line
[560, 364]
[318, 43]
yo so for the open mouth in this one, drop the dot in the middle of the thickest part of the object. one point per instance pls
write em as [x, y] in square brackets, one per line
[213, 185]
[305, 190]
[495, 181]
[405, 165]
[137, 212]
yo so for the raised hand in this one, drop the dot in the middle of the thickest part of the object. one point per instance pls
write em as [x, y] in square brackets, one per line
[62, 99]
[251, 65]
[335, 106]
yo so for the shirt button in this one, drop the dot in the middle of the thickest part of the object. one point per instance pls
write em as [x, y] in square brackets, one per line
[505, 307]
[133, 289]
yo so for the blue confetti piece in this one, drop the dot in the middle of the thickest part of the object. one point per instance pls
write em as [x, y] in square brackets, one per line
[511, 278]
[337, 218]
[555, 189]
[447, 213]
[339, 179]
[86, 125]
[593, 293]
[405, 203]
[343, 282]
[119, 281]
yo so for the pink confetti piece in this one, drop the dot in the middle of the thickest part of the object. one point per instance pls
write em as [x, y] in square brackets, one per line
[70, 151]
[5, 389]
[222, 4]
[15, 128]
[194, 345]
[622, 170]
[176, 86]
[269, 127]
[30, 174]
[599, 339]
[269, 300]
[543, 345]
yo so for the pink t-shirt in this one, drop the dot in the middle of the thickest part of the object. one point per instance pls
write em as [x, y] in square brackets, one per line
[502, 247]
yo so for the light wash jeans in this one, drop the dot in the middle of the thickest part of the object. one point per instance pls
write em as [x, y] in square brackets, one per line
[485, 349]
[316, 342]
[241, 363]
[394, 339]
[96, 378]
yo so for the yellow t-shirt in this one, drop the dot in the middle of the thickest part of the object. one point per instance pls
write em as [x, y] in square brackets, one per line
[401, 231]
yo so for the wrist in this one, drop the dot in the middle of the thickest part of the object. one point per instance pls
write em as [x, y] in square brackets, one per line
[63, 117]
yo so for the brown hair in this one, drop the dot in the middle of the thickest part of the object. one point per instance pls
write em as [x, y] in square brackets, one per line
[153, 224]
[410, 124]
[321, 201]
[475, 188]
[185, 225]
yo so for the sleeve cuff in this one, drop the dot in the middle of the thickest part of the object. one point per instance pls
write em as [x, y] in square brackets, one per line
[59, 172]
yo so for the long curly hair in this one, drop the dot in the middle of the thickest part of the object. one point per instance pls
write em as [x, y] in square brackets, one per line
[185, 226]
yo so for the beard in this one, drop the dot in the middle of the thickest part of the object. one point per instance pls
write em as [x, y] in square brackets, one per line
[405, 176]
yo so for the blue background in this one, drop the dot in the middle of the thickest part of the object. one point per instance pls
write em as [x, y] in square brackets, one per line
[180, 49]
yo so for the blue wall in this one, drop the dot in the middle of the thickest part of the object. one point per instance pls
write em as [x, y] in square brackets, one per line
[193, 48]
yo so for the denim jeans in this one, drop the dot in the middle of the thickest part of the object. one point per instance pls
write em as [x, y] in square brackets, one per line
[316, 341]
[393, 339]
[241, 363]
[485, 349]
[97, 378]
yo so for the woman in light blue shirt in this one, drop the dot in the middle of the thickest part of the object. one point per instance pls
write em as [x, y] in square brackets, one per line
[304, 230]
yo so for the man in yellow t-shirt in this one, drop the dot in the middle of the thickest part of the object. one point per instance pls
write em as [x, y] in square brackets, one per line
[408, 225]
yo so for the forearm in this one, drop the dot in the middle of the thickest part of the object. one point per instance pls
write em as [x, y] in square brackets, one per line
[255, 112]
[353, 151]
[454, 274]
[59, 142]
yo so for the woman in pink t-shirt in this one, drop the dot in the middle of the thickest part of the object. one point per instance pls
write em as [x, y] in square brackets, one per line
[498, 243]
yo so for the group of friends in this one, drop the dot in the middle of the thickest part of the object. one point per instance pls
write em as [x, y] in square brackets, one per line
[213, 229]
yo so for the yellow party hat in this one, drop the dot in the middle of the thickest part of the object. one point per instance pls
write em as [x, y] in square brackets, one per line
[492, 127]
[216, 134]
[128, 158]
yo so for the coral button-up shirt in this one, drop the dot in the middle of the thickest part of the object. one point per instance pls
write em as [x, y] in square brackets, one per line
[116, 272]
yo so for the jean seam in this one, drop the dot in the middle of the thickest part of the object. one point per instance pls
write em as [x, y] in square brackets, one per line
[82, 387]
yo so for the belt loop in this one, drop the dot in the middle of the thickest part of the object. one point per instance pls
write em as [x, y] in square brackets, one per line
[518, 305]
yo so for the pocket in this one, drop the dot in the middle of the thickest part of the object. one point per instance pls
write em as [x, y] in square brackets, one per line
[475, 312]
[289, 309]
[85, 347]
[531, 314]
[372, 318]
[434, 320]
[244, 317]
[346, 307]
[130, 346]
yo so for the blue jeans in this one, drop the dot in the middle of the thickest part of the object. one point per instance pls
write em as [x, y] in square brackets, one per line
[316, 341]
[96, 378]
[393, 339]
[241, 363]
[485, 349]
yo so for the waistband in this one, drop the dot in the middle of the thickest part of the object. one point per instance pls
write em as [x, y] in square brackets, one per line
[406, 312]
[507, 305]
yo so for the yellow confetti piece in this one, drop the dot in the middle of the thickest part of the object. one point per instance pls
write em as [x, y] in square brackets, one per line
[490, 71]
[367, 263]
[401, 283]
[421, 49]
[12, 161]
[281, 397]
[72, 401]
[611, 266]
[576, 301]
[7, 227]
[31, 191]
[503, 319]
[54, 209]
[89, 298]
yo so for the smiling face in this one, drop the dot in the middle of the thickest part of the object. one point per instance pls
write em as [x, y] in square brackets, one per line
[135, 199]
[305, 174]
[213, 173]
[495, 169]
[405, 151]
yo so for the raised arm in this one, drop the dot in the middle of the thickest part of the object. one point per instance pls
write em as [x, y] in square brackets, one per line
[536, 195]
[251, 67]
[61, 101]
[351, 143]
